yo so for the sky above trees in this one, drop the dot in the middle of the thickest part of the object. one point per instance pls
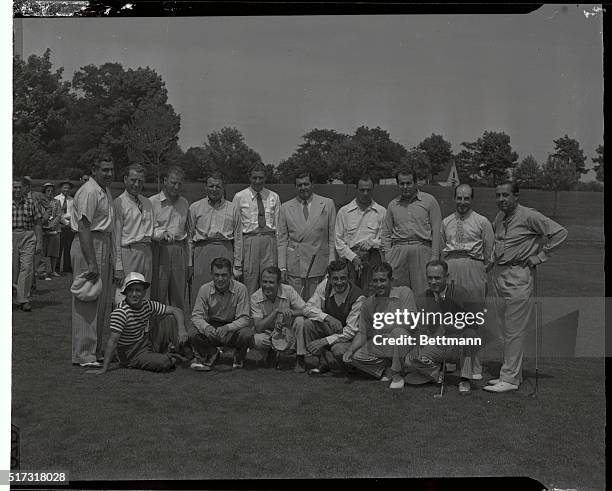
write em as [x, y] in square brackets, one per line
[535, 77]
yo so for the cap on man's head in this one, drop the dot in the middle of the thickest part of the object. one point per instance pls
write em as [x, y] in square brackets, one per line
[48, 185]
[27, 179]
[132, 279]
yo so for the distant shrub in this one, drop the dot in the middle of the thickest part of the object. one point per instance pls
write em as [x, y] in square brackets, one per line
[590, 186]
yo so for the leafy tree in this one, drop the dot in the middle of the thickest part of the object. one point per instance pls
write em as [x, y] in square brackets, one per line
[108, 98]
[417, 159]
[528, 174]
[318, 155]
[438, 152]
[492, 156]
[41, 101]
[151, 137]
[559, 175]
[469, 172]
[599, 163]
[227, 152]
[569, 150]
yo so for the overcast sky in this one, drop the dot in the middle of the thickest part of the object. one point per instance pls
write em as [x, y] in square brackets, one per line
[536, 76]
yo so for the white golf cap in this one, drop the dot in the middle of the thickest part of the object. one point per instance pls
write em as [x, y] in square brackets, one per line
[84, 290]
[132, 278]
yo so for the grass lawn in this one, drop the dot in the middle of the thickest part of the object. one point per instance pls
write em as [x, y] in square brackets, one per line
[261, 423]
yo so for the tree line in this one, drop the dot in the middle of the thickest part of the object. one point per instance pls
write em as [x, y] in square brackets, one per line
[59, 126]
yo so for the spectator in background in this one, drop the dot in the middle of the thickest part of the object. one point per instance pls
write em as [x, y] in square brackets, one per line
[66, 233]
[51, 231]
[27, 238]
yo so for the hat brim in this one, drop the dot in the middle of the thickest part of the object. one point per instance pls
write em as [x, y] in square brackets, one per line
[134, 282]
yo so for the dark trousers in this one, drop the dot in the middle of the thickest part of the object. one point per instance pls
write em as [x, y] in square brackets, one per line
[206, 346]
[141, 355]
[66, 237]
[369, 259]
[317, 330]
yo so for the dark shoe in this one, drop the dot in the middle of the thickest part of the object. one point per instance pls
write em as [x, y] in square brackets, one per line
[300, 365]
[26, 307]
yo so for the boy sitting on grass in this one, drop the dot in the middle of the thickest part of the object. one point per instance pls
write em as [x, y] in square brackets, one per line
[128, 322]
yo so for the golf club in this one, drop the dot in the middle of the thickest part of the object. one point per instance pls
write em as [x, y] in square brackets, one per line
[443, 379]
[538, 307]
[308, 273]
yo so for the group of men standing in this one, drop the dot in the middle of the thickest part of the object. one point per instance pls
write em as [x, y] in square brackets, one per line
[253, 268]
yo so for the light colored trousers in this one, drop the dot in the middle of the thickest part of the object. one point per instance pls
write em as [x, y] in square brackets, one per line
[168, 286]
[259, 252]
[514, 304]
[408, 260]
[90, 320]
[373, 359]
[309, 285]
[138, 258]
[203, 254]
[471, 275]
[24, 245]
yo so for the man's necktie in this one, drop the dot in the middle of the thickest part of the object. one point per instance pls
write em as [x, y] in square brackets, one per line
[460, 231]
[139, 203]
[305, 209]
[65, 206]
[261, 212]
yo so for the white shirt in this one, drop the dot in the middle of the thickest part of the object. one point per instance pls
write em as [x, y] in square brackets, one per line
[65, 220]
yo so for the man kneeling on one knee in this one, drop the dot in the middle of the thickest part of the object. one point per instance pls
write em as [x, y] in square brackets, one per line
[275, 306]
[441, 299]
[127, 324]
[334, 314]
[220, 318]
[380, 350]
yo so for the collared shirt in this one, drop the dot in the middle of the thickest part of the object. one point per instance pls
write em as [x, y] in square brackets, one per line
[286, 299]
[418, 219]
[231, 307]
[526, 232]
[354, 225]
[65, 219]
[26, 214]
[131, 225]
[476, 238]
[169, 216]
[220, 222]
[246, 201]
[400, 298]
[95, 204]
[314, 311]
[52, 224]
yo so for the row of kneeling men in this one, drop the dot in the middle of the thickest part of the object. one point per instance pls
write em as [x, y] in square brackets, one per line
[378, 334]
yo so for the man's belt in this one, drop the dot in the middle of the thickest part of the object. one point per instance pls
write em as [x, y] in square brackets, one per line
[139, 243]
[174, 242]
[451, 254]
[204, 242]
[15, 229]
[412, 240]
[259, 233]
[511, 264]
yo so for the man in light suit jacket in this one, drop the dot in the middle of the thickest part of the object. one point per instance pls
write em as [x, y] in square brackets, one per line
[306, 237]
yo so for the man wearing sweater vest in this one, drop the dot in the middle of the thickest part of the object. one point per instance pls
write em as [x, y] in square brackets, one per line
[334, 314]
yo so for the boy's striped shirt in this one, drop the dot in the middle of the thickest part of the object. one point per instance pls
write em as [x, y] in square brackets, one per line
[131, 323]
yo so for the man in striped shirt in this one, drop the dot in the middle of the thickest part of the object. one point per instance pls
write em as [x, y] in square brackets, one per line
[27, 238]
[128, 323]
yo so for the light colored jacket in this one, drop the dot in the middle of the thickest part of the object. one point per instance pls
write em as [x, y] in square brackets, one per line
[299, 240]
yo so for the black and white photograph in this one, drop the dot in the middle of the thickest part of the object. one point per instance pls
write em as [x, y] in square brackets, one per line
[285, 247]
